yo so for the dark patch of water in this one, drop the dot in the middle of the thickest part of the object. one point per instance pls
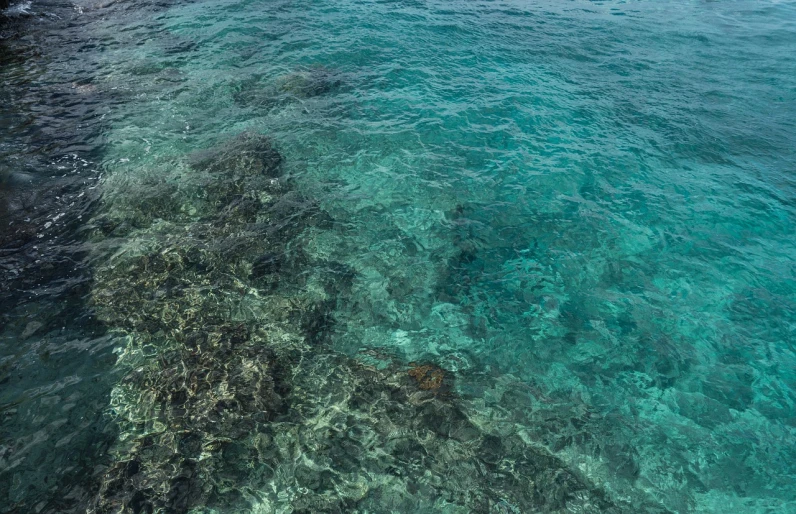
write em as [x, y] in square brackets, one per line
[56, 359]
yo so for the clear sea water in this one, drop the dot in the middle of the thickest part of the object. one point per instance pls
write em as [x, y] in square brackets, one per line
[399, 256]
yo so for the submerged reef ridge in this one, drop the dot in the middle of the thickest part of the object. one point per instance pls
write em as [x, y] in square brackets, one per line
[233, 398]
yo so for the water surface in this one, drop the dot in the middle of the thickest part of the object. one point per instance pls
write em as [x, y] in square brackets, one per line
[362, 256]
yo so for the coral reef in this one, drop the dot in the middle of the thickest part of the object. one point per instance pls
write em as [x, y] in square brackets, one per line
[301, 85]
[201, 369]
[233, 399]
[428, 376]
[315, 81]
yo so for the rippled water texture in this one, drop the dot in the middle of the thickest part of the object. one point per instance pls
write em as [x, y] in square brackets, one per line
[399, 256]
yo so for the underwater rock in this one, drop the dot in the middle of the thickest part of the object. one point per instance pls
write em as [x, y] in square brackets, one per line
[346, 419]
[231, 184]
[194, 401]
[299, 85]
[241, 209]
[428, 376]
[266, 264]
[246, 154]
[233, 400]
[316, 322]
[202, 373]
[315, 81]
[623, 459]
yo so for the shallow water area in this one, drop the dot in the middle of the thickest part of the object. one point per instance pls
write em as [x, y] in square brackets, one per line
[403, 257]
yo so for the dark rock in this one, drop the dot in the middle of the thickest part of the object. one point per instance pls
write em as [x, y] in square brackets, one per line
[191, 446]
[240, 209]
[491, 449]
[623, 459]
[267, 264]
[183, 494]
[313, 82]
[139, 504]
[317, 322]
[244, 155]
[132, 469]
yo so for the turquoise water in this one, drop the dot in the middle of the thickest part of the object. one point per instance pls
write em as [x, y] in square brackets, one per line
[398, 256]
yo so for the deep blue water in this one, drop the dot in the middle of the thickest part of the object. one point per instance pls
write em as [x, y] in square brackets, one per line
[580, 214]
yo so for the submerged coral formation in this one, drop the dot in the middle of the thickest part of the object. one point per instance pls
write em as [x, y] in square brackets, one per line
[428, 376]
[233, 400]
[295, 86]
[466, 270]
[201, 368]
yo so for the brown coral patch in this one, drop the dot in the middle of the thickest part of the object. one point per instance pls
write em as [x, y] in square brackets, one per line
[427, 376]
